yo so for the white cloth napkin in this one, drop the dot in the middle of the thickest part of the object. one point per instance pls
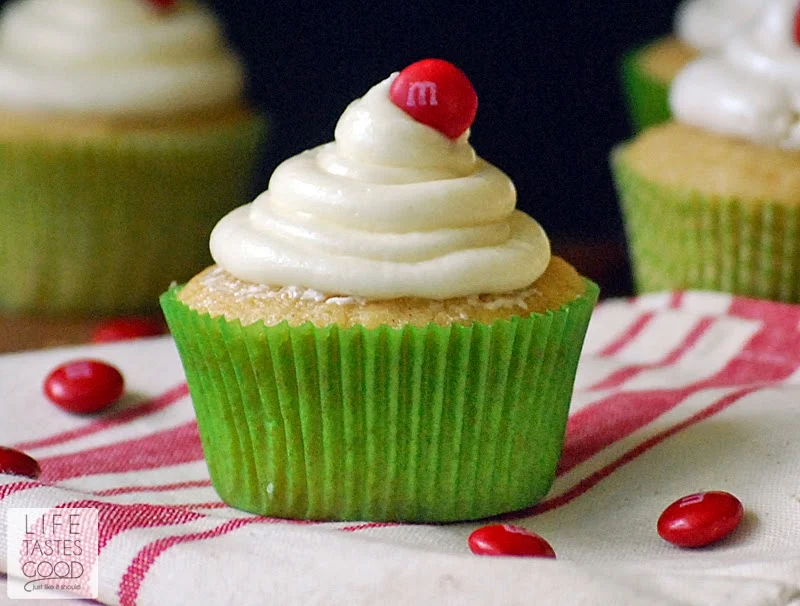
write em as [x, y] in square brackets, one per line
[676, 393]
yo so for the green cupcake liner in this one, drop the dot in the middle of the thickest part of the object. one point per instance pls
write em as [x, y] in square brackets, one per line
[647, 98]
[419, 424]
[681, 239]
[104, 224]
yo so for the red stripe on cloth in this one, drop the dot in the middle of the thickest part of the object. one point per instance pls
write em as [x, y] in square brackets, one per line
[766, 311]
[775, 352]
[676, 300]
[262, 519]
[292, 521]
[619, 377]
[368, 525]
[599, 425]
[162, 449]
[771, 355]
[144, 409]
[137, 571]
[110, 492]
[206, 505]
[9, 489]
[116, 518]
[627, 336]
[594, 479]
[763, 359]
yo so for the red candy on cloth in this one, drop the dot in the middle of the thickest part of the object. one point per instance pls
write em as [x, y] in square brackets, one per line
[700, 519]
[796, 26]
[123, 329]
[16, 463]
[673, 392]
[84, 386]
[509, 540]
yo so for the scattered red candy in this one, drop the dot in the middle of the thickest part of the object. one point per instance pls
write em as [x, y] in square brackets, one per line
[121, 329]
[700, 519]
[16, 463]
[796, 28]
[84, 386]
[438, 94]
[508, 540]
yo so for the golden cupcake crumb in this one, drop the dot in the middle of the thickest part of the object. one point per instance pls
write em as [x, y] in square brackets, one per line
[693, 159]
[218, 293]
[663, 59]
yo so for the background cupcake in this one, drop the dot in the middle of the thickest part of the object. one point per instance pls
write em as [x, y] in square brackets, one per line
[701, 26]
[384, 336]
[712, 200]
[123, 134]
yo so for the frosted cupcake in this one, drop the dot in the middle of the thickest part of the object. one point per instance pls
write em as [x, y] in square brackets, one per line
[384, 336]
[712, 200]
[701, 27]
[124, 134]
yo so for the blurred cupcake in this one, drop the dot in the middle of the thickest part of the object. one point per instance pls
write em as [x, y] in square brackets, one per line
[124, 134]
[712, 200]
[384, 336]
[701, 26]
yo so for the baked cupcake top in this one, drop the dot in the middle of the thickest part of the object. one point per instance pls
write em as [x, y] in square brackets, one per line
[108, 58]
[707, 24]
[392, 207]
[751, 88]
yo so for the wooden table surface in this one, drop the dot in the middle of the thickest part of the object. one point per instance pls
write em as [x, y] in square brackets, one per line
[20, 333]
[604, 262]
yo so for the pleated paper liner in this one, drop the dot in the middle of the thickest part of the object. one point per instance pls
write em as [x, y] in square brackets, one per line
[419, 424]
[681, 239]
[104, 224]
[647, 98]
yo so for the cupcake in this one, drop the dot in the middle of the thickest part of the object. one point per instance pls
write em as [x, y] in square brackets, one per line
[712, 199]
[124, 135]
[701, 27]
[383, 336]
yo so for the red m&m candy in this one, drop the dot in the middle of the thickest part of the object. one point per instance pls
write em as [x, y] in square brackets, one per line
[508, 540]
[700, 519]
[84, 386]
[121, 329]
[437, 94]
[796, 24]
[163, 5]
[16, 463]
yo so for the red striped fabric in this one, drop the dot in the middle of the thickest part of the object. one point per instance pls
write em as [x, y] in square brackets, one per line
[160, 449]
[143, 468]
[129, 587]
[147, 407]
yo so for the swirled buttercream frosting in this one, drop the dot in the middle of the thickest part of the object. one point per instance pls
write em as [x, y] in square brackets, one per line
[751, 88]
[391, 208]
[708, 24]
[114, 57]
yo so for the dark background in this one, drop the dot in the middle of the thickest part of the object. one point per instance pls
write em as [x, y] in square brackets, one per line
[545, 72]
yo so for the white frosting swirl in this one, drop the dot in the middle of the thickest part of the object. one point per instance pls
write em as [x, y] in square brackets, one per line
[114, 57]
[391, 208]
[708, 24]
[751, 89]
